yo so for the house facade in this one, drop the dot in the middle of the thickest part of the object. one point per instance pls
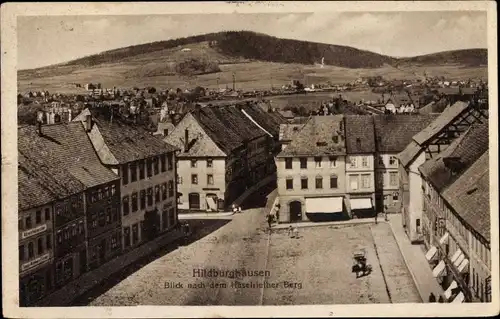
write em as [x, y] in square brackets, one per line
[311, 173]
[146, 169]
[435, 138]
[360, 166]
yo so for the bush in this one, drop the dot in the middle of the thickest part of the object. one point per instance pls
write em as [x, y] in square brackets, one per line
[194, 66]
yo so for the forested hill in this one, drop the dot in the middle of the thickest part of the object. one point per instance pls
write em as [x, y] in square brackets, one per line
[261, 47]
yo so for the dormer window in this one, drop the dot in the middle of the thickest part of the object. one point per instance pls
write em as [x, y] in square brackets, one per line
[335, 139]
[321, 144]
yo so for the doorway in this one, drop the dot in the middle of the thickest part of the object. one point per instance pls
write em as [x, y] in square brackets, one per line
[194, 201]
[295, 211]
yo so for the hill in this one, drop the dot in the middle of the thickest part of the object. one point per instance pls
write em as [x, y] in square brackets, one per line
[258, 61]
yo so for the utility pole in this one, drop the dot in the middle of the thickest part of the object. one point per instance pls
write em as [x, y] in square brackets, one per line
[234, 81]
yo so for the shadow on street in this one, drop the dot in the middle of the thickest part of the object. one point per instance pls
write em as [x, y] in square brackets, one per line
[199, 228]
[258, 198]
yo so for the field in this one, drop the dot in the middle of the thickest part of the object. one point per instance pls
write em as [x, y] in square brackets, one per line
[321, 261]
[153, 69]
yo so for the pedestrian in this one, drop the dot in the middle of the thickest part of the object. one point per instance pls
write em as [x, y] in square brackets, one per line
[269, 220]
[290, 231]
[277, 215]
[234, 209]
[296, 232]
[376, 214]
[432, 297]
[441, 299]
[239, 209]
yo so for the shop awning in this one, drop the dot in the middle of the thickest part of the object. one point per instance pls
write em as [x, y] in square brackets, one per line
[448, 292]
[459, 260]
[361, 203]
[324, 205]
[439, 269]
[211, 203]
[459, 298]
[431, 253]
[444, 240]
[456, 255]
[463, 265]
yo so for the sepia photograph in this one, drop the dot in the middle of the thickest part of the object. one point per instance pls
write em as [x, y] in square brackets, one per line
[322, 159]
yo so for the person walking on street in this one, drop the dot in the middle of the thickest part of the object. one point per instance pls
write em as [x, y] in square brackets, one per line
[441, 299]
[269, 220]
[432, 297]
[376, 215]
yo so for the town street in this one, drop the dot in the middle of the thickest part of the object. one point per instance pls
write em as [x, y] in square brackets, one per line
[240, 244]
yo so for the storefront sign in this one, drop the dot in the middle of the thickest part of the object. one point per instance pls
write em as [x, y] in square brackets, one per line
[35, 262]
[33, 231]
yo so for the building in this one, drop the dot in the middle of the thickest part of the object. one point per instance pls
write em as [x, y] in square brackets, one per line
[360, 166]
[393, 133]
[146, 167]
[311, 172]
[448, 233]
[443, 130]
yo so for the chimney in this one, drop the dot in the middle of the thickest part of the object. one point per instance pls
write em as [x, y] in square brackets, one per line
[186, 140]
[88, 123]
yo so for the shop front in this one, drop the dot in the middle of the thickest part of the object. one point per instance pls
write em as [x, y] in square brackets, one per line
[320, 209]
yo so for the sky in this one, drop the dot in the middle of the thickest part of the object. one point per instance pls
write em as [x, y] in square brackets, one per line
[46, 40]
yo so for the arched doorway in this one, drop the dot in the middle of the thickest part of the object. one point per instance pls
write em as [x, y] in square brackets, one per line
[295, 211]
[194, 201]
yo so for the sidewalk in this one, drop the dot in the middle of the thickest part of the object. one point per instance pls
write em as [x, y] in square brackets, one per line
[334, 223]
[415, 261]
[222, 215]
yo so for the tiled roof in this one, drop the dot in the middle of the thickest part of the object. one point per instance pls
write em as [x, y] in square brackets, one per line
[128, 142]
[360, 134]
[469, 196]
[270, 121]
[288, 131]
[233, 119]
[316, 138]
[62, 160]
[467, 148]
[200, 143]
[395, 131]
[443, 120]
[449, 91]
[409, 153]
[227, 140]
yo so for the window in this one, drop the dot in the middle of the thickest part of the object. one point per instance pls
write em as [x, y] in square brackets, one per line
[194, 179]
[380, 161]
[164, 191]
[135, 234]
[157, 193]
[303, 162]
[288, 163]
[108, 216]
[99, 194]
[353, 181]
[395, 197]
[106, 191]
[179, 180]
[125, 205]
[170, 188]
[126, 236]
[163, 163]
[141, 169]
[31, 251]
[28, 222]
[333, 161]
[194, 163]
[150, 196]
[210, 179]
[40, 246]
[289, 183]
[334, 181]
[59, 237]
[114, 242]
[393, 161]
[142, 199]
[149, 167]
[209, 162]
[125, 174]
[21, 252]
[48, 241]
[335, 139]
[133, 172]
[303, 183]
[170, 160]
[319, 182]
[102, 216]
[156, 168]
[364, 161]
[20, 224]
[365, 180]
[352, 161]
[134, 202]
[317, 161]
[115, 217]
[113, 190]
[38, 217]
[393, 178]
